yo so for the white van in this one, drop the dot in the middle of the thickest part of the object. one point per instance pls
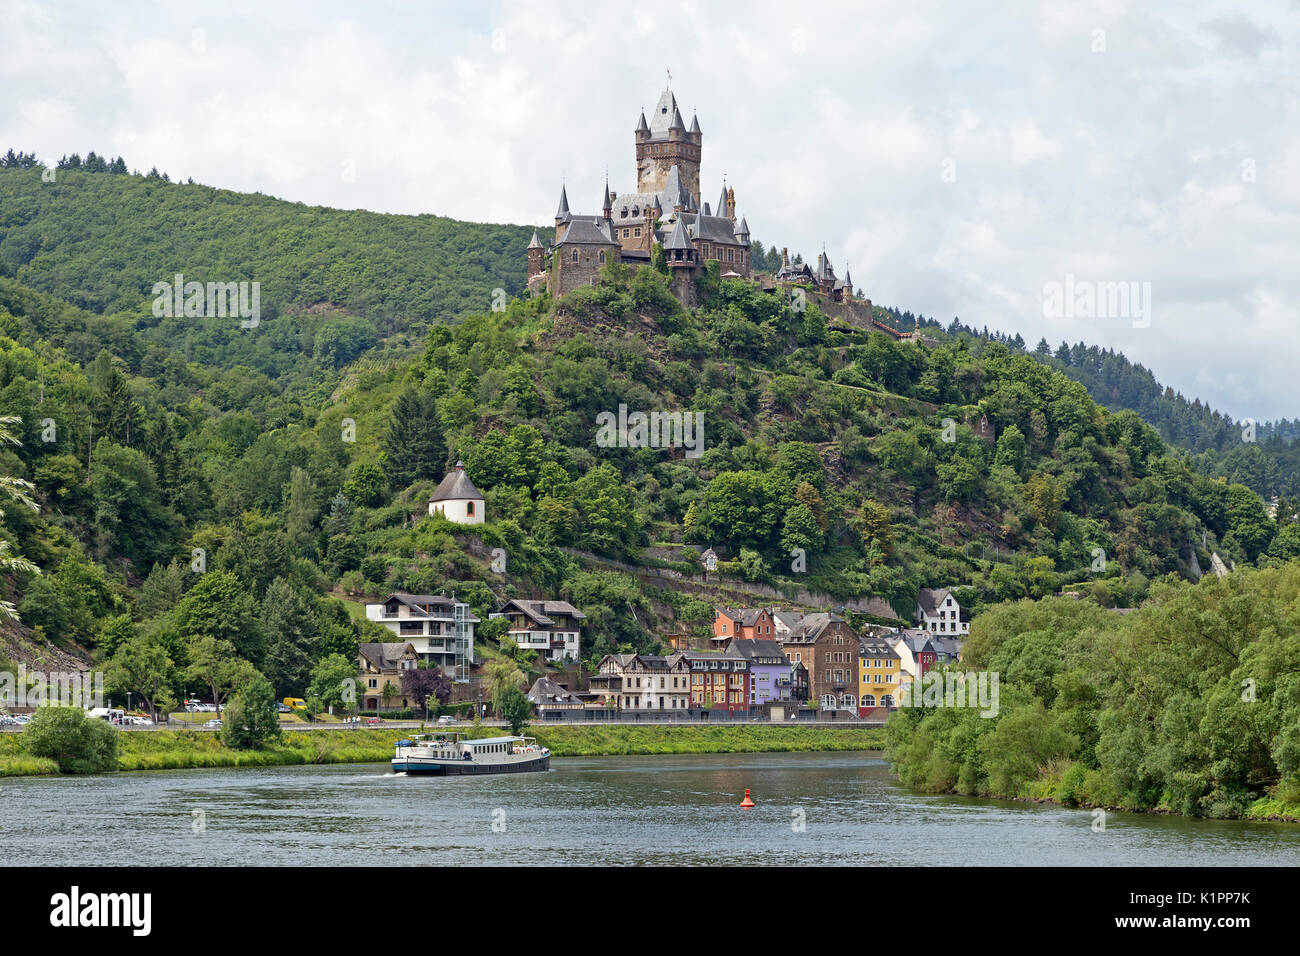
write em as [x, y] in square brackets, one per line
[113, 715]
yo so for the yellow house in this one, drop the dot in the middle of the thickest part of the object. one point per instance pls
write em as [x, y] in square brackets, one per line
[880, 680]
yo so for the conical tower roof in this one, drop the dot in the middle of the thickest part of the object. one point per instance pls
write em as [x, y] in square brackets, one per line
[563, 211]
[679, 239]
[535, 242]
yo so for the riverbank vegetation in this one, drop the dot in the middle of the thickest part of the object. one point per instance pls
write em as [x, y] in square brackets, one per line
[179, 749]
[1190, 704]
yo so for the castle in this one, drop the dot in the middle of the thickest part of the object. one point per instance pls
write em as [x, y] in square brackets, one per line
[665, 209]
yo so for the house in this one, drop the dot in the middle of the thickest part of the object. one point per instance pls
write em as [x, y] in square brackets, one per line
[828, 647]
[552, 628]
[938, 612]
[719, 679]
[643, 682]
[746, 622]
[879, 682]
[381, 667]
[440, 628]
[546, 695]
[916, 653]
[456, 498]
[770, 676]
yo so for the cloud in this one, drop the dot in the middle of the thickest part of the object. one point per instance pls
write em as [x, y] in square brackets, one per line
[955, 163]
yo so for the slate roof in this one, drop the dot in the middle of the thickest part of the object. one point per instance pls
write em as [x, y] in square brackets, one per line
[695, 124]
[674, 193]
[456, 485]
[541, 611]
[563, 211]
[535, 242]
[755, 649]
[635, 201]
[714, 229]
[386, 656]
[876, 647]
[679, 238]
[662, 117]
[546, 691]
[930, 599]
[583, 230]
[748, 616]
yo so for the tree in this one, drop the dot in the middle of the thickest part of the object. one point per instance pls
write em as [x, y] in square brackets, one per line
[215, 664]
[220, 606]
[252, 721]
[413, 445]
[503, 674]
[142, 666]
[514, 708]
[290, 627]
[77, 743]
[424, 682]
[334, 681]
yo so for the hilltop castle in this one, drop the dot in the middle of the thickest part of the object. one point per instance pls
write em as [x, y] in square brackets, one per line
[666, 209]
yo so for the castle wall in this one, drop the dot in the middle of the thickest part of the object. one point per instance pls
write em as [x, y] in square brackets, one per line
[567, 275]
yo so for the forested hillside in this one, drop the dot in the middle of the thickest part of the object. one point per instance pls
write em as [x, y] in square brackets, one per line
[1263, 455]
[200, 482]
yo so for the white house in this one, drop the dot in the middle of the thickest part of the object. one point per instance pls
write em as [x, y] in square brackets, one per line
[552, 628]
[457, 499]
[938, 612]
[439, 628]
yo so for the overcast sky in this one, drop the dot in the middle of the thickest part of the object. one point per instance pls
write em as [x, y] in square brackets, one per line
[961, 167]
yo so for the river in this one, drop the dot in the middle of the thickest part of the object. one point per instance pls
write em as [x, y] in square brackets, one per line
[818, 808]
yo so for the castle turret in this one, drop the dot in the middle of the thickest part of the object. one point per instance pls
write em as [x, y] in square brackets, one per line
[679, 250]
[730, 207]
[562, 215]
[608, 206]
[721, 208]
[536, 254]
[742, 232]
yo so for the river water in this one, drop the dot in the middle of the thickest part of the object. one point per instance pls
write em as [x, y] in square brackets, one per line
[835, 808]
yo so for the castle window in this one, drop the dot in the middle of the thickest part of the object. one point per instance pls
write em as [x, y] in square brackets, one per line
[624, 212]
[602, 255]
[636, 210]
[637, 232]
[575, 255]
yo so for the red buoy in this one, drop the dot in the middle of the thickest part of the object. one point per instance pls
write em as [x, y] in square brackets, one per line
[747, 803]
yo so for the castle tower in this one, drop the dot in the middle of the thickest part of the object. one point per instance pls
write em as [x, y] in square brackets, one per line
[536, 252]
[665, 142]
[731, 205]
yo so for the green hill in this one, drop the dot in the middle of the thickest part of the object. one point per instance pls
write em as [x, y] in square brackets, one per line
[296, 458]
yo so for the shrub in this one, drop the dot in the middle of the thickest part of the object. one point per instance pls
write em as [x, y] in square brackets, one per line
[77, 743]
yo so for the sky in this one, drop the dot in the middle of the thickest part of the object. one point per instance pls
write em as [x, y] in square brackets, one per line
[1016, 165]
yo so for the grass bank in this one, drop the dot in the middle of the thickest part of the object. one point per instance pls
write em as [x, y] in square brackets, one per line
[181, 749]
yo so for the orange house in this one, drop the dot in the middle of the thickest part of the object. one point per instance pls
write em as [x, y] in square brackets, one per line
[746, 623]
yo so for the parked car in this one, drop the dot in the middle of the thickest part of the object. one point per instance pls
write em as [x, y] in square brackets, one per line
[446, 719]
[286, 709]
[214, 724]
[374, 721]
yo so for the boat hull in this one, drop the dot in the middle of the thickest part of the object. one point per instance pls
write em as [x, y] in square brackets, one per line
[415, 766]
